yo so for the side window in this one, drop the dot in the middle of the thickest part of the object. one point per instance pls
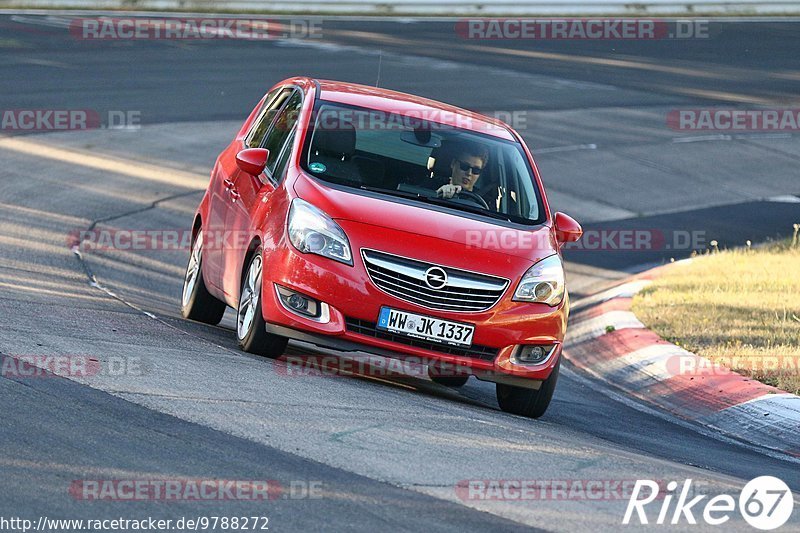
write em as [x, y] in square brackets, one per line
[280, 166]
[274, 101]
[283, 127]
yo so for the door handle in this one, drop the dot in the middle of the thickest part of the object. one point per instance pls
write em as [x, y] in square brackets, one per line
[234, 194]
[228, 184]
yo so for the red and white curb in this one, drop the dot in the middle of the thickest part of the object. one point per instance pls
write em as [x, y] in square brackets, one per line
[606, 340]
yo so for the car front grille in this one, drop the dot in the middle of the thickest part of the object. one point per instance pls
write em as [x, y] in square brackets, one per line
[405, 279]
[369, 329]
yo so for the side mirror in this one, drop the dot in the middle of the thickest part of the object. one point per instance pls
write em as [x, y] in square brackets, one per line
[252, 160]
[567, 228]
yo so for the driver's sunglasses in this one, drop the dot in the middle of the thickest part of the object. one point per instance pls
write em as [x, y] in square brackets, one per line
[466, 167]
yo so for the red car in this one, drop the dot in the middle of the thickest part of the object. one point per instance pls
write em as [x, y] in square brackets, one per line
[359, 218]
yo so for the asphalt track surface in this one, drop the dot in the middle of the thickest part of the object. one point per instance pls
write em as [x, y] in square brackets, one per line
[387, 452]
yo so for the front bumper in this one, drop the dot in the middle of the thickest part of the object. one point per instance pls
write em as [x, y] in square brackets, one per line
[354, 303]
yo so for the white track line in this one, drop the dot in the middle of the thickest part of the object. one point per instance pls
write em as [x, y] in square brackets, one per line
[124, 167]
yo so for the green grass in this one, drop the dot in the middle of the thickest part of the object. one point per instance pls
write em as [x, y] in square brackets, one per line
[737, 307]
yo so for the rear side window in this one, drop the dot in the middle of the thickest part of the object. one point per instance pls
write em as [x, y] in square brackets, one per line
[282, 128]
[274, 100]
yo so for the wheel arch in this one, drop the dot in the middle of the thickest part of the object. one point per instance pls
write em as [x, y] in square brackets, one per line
[196, 225]
[255, 243]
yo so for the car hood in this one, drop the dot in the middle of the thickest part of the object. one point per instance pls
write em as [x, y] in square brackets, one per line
[388, 212]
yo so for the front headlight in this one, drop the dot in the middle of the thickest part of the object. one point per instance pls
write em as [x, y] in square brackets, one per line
[313, 232]
[542, 283]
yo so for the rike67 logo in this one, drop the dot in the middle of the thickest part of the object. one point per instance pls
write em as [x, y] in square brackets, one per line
[765, 503]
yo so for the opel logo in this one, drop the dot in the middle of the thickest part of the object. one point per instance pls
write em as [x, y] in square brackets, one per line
[435, 278]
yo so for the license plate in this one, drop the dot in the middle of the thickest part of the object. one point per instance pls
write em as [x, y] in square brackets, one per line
[425, 327]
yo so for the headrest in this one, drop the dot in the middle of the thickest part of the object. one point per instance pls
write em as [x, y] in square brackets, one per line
[443, 159]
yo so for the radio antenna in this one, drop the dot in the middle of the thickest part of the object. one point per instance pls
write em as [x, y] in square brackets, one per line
[380, 60]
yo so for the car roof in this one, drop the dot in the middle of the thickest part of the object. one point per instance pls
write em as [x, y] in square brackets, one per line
[410, 105]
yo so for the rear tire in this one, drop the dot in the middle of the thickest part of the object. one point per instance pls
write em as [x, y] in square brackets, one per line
[528, 402]
[250, 325]
[196, 302]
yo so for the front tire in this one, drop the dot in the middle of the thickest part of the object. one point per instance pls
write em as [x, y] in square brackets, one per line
[250, 326]
[196, 302]
[528, 402]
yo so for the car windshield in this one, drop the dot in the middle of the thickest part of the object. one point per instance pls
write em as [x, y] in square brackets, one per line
[422, 161]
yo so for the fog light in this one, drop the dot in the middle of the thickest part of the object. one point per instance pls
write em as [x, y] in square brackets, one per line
[532, 354]
[297, 302]
[302, 304]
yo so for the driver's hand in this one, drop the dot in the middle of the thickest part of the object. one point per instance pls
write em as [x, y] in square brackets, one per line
[448, 191]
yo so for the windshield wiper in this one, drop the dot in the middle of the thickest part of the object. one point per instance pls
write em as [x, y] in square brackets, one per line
[438, 201]
[395, 192]
[464, 207]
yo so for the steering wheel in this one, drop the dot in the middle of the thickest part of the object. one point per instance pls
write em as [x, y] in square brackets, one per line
[464, 194]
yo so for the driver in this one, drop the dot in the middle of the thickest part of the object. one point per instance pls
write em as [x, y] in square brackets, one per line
[465, 169]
